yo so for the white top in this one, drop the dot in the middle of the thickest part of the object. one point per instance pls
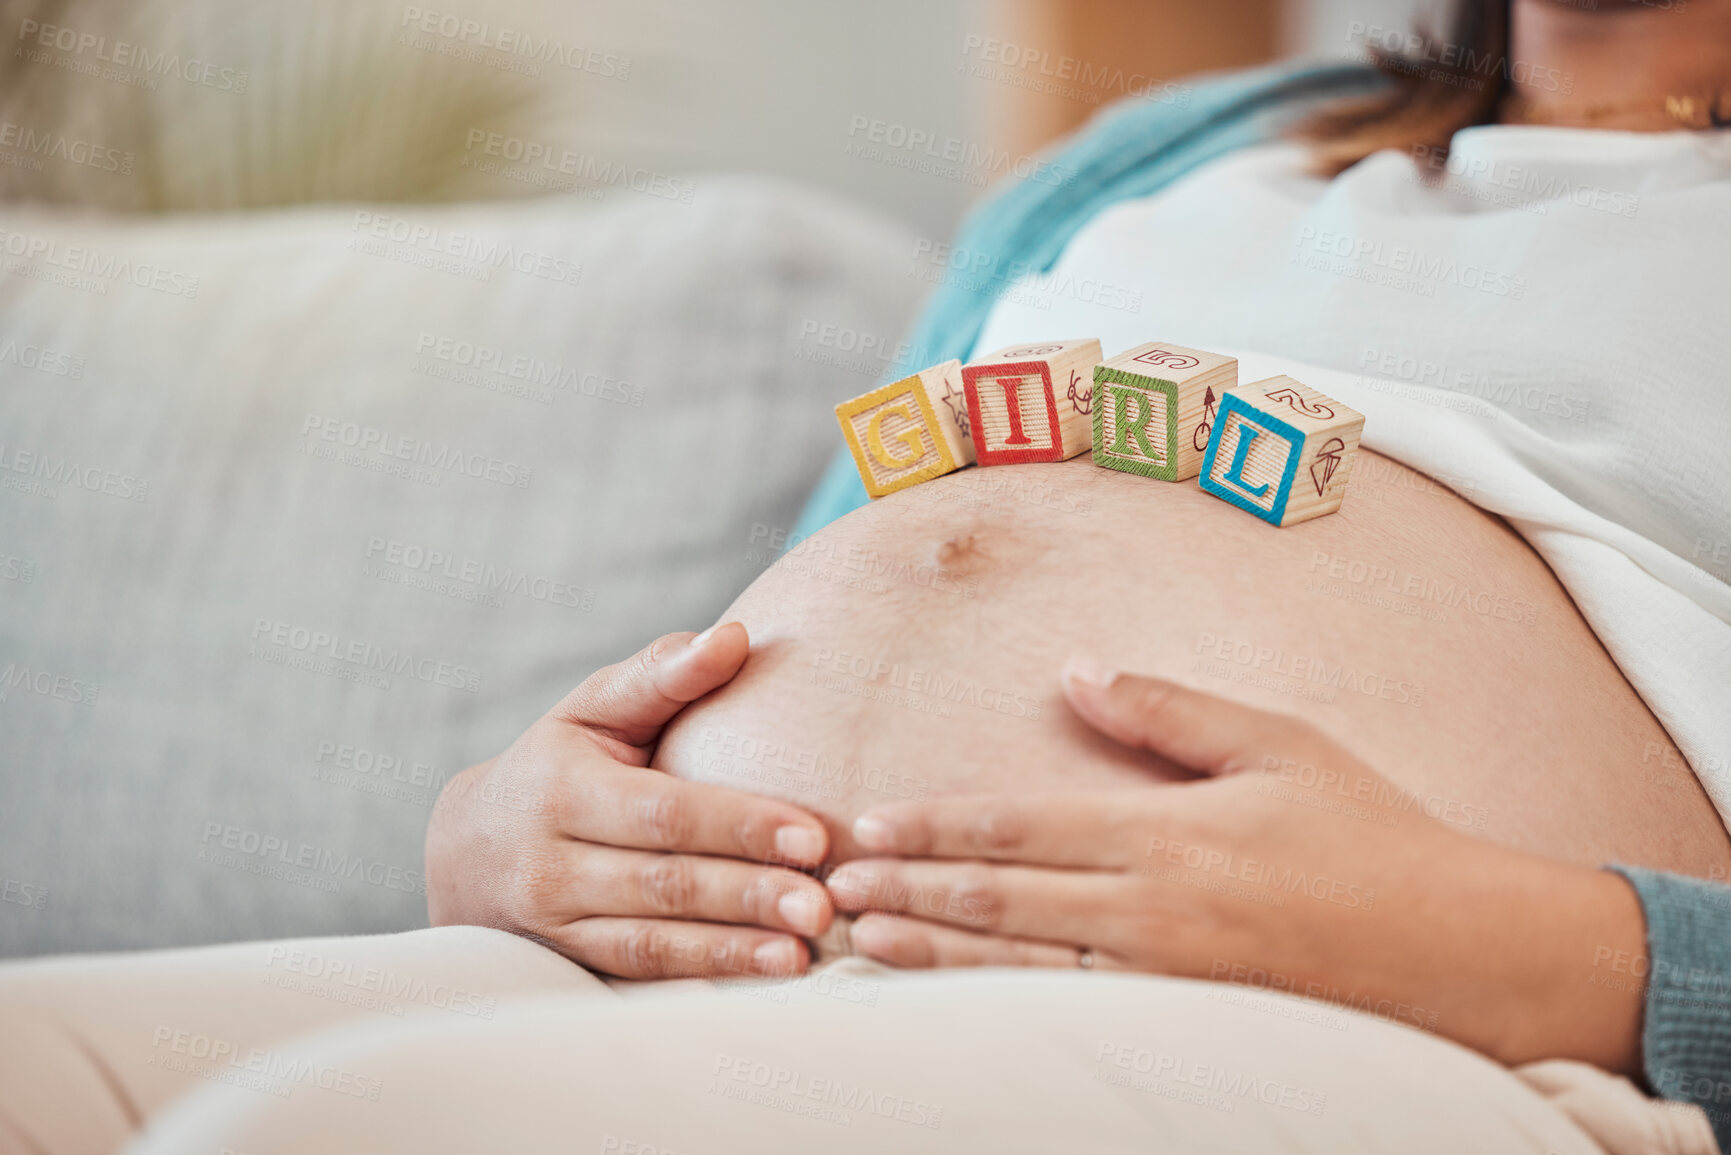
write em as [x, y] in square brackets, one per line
[1548, 331]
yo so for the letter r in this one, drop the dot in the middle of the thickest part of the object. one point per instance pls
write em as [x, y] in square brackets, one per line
[1122, 398]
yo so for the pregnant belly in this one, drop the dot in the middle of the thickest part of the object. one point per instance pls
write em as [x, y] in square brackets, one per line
[913, 649]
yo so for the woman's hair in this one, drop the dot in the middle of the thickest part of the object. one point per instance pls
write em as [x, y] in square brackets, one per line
[1437, 87]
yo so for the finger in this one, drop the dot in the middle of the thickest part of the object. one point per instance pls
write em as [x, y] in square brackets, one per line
[632, 700]
[1057, 829]
[1201, 731]
[1068, 906]
[630, 807]
[642, 884]
[644, 948]
[912, 943]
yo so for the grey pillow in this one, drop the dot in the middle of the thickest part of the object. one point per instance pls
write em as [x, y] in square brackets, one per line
[302, 513]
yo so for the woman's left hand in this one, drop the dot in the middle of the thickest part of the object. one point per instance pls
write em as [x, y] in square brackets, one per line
[1288, 864]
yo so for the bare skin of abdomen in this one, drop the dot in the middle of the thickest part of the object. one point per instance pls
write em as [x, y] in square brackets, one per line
[913, 649]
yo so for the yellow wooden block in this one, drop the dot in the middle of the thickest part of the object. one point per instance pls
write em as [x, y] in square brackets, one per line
[909, 431]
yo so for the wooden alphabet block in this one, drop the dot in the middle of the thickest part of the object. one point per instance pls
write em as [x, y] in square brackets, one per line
[1154, 408]
[1281, 450]
[909, 431]
[1032, 402]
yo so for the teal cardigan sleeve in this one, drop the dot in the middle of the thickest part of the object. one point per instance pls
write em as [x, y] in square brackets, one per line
[1686, 1031]
[1134, 148]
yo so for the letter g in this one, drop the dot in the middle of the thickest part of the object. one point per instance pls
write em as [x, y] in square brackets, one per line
[914, 438]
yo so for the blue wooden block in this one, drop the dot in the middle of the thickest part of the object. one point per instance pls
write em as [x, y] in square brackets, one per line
[1281, 451]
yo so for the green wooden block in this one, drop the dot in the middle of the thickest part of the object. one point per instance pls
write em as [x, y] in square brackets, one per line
[1135, 423]
[1154, 408]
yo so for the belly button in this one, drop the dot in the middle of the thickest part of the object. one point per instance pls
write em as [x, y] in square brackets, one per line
[956, 551]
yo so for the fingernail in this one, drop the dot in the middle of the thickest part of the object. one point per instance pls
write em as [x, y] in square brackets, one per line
[848, 882]
[697, 643]
[802, 911]
[873, 832]
[777, 958]
[799, 844]
[1090, 672]
[871, 937]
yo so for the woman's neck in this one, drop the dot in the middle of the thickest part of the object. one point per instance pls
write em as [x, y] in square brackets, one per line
[1620, 64]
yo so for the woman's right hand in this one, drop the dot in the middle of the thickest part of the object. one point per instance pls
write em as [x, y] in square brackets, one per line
[570, 839]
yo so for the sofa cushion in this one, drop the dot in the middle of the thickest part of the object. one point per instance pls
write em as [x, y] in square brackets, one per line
[303, 512]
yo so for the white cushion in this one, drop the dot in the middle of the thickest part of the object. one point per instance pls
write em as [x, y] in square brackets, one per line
[250, 431]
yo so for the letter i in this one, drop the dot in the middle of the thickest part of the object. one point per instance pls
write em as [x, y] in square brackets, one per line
[1013, 400]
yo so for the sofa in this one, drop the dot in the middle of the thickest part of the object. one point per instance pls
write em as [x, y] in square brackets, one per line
[326, 468]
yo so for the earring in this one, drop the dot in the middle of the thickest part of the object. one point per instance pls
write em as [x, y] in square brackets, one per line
[1715, 117]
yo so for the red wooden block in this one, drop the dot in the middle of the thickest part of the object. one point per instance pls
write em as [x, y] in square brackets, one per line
[1033, 401]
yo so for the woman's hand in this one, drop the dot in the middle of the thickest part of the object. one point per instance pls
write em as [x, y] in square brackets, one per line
[1288, 863]
[570, 839]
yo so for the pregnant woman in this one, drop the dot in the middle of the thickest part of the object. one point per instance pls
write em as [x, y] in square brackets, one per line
[1377, 759]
